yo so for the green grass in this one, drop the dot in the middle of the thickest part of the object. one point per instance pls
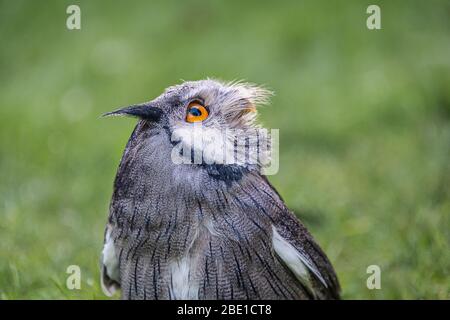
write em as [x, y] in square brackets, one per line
[364, 118]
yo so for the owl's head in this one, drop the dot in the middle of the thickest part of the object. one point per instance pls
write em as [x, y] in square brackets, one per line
[213, 103]
[205, 124]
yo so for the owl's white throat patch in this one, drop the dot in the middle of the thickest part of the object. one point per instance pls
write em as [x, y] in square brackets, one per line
[200, 144]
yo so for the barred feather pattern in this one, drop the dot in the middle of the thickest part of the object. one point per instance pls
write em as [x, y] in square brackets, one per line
[181, 233]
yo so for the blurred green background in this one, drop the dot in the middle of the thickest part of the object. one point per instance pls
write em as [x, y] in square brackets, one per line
[364, 118]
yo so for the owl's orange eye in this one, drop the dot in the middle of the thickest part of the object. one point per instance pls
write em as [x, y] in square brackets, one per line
[196, 112]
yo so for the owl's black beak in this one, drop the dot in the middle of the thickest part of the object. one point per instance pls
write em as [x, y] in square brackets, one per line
[143, 111]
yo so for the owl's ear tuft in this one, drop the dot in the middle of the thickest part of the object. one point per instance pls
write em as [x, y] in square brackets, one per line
[242, 102]
[254, 95]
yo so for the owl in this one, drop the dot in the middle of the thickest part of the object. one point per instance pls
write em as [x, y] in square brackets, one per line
[193, 215]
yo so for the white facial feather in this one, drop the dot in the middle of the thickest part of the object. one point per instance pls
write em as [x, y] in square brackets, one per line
[236, 102]
[233, 110]
[203, 145]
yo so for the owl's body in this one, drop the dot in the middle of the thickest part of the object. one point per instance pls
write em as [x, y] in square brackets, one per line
[203, 231]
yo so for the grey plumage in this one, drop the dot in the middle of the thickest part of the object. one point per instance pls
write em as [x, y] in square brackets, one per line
[204, 231]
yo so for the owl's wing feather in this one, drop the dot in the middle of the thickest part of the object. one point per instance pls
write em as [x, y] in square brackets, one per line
[297, 261]
[110, 271]
[297, 249]
[110, 275]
